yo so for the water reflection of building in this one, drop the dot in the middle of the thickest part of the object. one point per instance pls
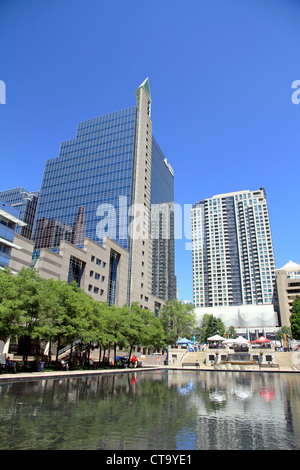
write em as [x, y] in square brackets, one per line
[236, 409]
[260, 411]
[292, 406]
[50, 232]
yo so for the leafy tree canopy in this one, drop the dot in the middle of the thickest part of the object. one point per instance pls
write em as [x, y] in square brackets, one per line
[285, 331]
[210, 325]
[53, 310]
[178, 320]
[295, 318]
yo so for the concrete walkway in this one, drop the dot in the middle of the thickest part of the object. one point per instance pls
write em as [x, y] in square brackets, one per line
[25, 376]
[287, 362]
[67, 374]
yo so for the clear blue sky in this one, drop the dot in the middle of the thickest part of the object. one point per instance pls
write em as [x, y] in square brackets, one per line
[220, 75]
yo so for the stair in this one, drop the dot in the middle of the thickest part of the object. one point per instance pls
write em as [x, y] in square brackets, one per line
[285, 359]
[288, 360]
[192, 357]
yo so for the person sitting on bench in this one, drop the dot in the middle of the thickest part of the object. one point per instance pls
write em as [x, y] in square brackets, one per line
[9, 364]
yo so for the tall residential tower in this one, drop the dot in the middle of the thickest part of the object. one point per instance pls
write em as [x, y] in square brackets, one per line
[233, 260]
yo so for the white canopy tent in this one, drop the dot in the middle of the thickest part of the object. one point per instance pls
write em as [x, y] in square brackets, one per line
[229, 341]
[216, 338]
[241, 340]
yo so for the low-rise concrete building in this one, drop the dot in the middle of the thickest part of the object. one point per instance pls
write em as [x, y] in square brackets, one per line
[9, 221]
[100, 270]
[21, 253]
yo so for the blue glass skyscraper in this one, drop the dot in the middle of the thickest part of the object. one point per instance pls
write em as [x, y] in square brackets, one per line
[25, 202]
[100, 183]
[91, 170]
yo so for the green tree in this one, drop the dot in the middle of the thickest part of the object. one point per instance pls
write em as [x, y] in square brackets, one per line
[80, 316]
[295, 318]
[178, 320]
[97, 330]
[134, 326]
[205, 327]
[102, 327]
[65, 313]
[48, 328]
[198, 333]
[155, 334]
[230, 332]
[150, 330]
[284, 332]
[211, 326]
[19, 306]
[116, 328]
[9, 313]
[221, 327]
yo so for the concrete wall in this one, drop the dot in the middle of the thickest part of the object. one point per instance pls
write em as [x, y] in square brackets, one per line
[21, 258]
[97, 262]
[287, 290]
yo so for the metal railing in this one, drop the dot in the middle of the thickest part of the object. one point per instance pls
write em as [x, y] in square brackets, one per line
[67, 348]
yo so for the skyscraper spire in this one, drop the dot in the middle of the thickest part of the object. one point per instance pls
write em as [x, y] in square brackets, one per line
[146, 87]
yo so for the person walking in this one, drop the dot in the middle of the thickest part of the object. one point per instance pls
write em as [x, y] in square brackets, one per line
[134, 361]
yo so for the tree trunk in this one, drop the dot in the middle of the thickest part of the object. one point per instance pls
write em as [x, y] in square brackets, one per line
[57, 349]
[71, 351]
[131, 348]
[49, 354]
[115, 354]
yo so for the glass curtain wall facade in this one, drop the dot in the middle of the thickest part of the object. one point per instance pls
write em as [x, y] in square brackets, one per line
[91, 175]
[162, 176]
[88, 190]
[164, 282]
[233, 259]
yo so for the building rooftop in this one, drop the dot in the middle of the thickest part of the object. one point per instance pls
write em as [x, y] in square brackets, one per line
[10, 213]
[290, 266]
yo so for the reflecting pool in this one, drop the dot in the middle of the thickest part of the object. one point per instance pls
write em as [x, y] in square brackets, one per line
[163, 410]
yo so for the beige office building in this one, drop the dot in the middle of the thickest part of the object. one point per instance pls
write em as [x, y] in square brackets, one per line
[288, 287]
[91, 264]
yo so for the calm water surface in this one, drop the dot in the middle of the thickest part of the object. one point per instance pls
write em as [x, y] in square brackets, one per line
[163, 410]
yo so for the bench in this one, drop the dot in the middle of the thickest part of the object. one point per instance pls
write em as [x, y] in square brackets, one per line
[4, 368]
[272, 364]
[195, 364]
